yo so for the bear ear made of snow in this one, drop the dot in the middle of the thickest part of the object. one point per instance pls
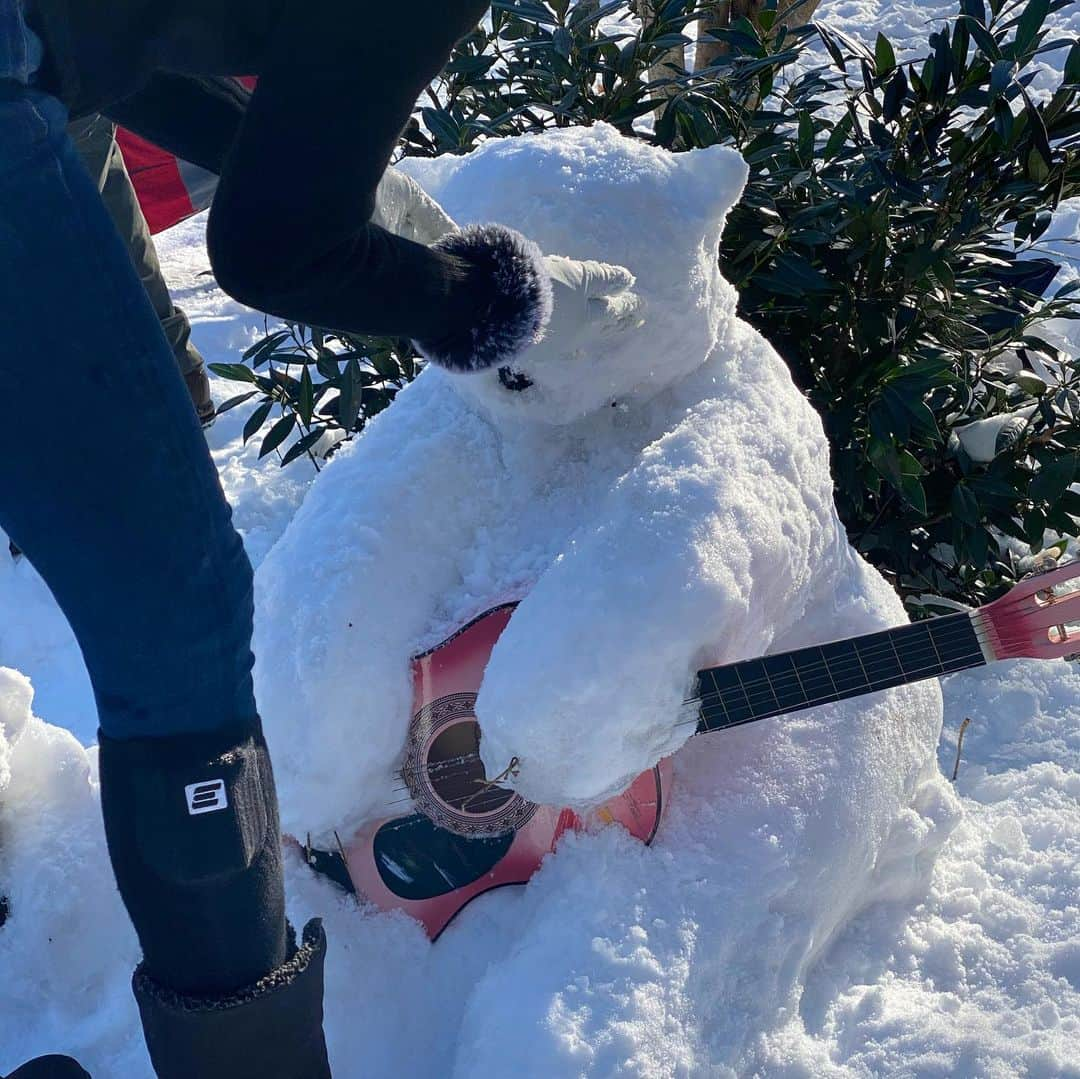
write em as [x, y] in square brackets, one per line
[712, 178]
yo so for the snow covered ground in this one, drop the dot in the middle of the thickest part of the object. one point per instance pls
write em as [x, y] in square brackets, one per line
[963, 959]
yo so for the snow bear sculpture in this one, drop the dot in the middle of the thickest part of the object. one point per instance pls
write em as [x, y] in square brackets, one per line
[657, 504]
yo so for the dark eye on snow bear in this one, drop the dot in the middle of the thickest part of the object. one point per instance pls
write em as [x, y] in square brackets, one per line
[514, 380]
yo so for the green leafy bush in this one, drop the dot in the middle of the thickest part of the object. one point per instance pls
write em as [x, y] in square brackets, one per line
[354, 379]
[888, 244]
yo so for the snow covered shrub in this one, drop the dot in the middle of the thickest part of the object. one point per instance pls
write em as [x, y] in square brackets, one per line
[886, 244]
[355, 379]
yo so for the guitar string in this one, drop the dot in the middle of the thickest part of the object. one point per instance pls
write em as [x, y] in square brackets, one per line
[716, 699]
[808, 669]
[764, 689]
[832, 698]
[947, 636]
[713, 699]
[855, 659]
[1004, 642]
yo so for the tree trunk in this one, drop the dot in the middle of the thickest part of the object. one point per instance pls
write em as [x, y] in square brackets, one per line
[726, 12]
[673, 57]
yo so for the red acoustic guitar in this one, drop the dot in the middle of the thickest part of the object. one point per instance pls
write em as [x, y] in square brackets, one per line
[467, 835]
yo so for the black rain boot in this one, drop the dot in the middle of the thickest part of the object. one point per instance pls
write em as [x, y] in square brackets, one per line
[269, 1030]
[50, 1067]
[192, 828]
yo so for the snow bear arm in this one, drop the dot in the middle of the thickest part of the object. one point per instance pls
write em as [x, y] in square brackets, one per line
[701, 553]
[346, 594]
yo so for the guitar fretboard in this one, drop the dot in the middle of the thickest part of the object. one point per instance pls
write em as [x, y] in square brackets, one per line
[789, 681]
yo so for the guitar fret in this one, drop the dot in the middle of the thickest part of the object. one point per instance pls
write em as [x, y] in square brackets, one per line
[746, 696]
[821, 674]
[899, 661]
[802, 688]
[828, 671]
[930, 638]
[862, 666]
[720, 696]
[772, 688]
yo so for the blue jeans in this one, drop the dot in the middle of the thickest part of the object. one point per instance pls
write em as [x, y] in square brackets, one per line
[106, 482]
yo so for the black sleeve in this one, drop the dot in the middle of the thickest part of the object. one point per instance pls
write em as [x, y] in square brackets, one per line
[290, 230]
[195, 118]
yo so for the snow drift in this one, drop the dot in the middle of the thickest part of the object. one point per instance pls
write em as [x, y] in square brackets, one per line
[67, 949]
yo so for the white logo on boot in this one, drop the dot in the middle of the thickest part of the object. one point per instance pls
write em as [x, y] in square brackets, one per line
[206, 797]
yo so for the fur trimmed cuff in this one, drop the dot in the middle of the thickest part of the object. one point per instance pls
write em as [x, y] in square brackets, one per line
[270, 1028]
[520, 306]
[310, 952]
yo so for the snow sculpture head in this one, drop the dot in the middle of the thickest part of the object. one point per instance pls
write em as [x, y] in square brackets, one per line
[590, 193]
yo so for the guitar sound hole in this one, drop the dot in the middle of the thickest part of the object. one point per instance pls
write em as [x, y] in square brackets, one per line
[457, 774]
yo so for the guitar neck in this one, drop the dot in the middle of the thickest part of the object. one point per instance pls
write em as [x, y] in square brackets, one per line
[754, 689]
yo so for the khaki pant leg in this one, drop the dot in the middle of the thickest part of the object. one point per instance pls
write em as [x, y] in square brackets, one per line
[95, 140]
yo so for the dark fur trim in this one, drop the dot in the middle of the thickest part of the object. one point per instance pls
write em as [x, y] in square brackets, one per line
[521, 301]
[313, 946]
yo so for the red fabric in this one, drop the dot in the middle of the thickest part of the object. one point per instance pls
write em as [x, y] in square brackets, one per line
[156, 178]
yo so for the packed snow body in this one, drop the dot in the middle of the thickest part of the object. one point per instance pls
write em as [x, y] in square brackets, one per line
[657, 501]
[655, 506]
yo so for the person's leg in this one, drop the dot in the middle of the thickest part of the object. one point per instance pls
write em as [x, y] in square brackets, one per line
[121, 511]
[95, 141]
[125, 519]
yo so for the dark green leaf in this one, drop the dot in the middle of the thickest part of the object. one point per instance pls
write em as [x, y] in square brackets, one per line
[259, 352]
[232, 402]
[349, 401]
[327, 365]
[1001, 76]
[302, 445]
[257, 419]
[1003, 120]
[964, 505]
[443, 126]
[914, 494]
[1051, 481]
[988, 46]
[1029, 25]
[525, 9]
[277, 434]
[895, 93]
[975, 9]
[1072, 64]
[235, 372]
[884, 56]
[305, 403]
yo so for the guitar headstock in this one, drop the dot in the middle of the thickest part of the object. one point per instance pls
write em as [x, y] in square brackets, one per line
[1038, 619]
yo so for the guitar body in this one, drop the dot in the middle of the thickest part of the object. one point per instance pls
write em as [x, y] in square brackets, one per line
[466, 835]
